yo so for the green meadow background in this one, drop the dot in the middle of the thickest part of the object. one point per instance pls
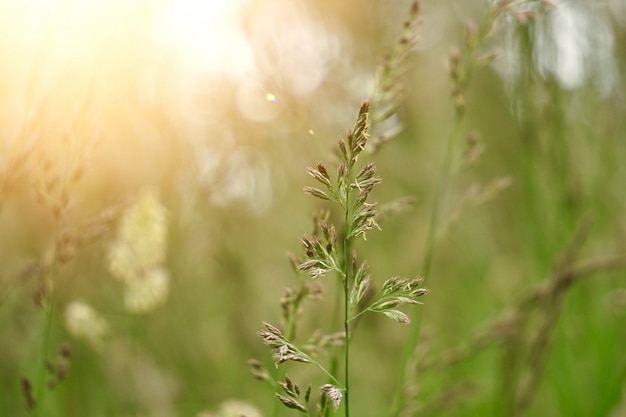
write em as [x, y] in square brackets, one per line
[90, 96]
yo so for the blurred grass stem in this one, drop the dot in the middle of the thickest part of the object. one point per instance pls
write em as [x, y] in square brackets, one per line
[48, 310]
[431, 233]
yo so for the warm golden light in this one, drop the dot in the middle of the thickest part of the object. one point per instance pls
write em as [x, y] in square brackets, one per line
[205, 34]
[106, 88]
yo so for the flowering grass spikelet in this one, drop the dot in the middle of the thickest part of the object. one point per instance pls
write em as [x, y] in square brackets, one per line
[332, 393]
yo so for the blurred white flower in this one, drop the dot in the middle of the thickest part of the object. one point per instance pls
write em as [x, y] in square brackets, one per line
[141, 238]
[136, 255]
[83, 322]
[234, 408]
[147, 292]
[574, 44]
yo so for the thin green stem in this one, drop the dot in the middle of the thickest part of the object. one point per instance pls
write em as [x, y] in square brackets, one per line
[467, 68]
[359, 314]
[40, 384]
[334, 360]
[276, 405]
[346, 322]
[440, 189]
[290, 334]
[321, 367]
[337, 383]
[346, 295]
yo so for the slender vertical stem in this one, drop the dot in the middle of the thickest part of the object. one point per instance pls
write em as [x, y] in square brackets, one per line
[335, 319]
[440, 190]
[276, 405]
[40, 384]
[334, 359]
[346, 290]
[290, 333]
[400, 397]
[346, 330]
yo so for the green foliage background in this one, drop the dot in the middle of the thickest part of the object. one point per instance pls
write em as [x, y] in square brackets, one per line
[562, 147]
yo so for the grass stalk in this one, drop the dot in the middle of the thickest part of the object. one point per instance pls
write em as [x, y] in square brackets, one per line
[346, 305]
[282, 371]
[40, 382]
[442, 181]
[462, 67]
[334, 359]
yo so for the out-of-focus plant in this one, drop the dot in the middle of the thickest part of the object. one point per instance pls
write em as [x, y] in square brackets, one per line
[233, 408]
[137, 254]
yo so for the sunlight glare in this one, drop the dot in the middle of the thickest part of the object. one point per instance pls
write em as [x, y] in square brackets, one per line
[205, 33]
[137, 74]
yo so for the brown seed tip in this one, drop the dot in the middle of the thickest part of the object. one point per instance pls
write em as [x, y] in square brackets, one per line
[415, 8]
[365, 107]
[65, 351]
[27, 391]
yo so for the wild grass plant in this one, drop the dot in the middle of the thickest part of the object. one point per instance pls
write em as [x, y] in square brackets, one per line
[134, 274]
[330, 250]
[350, 191]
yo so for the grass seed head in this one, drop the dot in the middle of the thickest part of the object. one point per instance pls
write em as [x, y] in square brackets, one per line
[333, 393]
